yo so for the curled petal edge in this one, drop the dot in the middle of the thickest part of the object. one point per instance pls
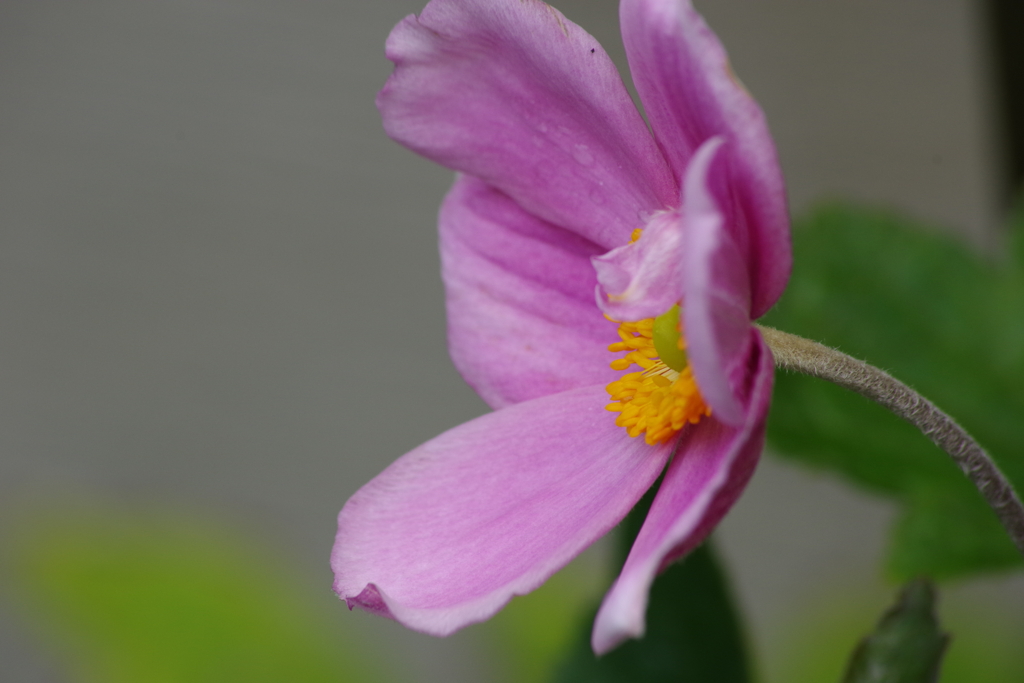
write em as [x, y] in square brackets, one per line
[643, 279]
[716, 286]
[713, 464]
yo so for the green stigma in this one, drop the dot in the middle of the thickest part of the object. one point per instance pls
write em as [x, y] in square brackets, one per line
[667, 339]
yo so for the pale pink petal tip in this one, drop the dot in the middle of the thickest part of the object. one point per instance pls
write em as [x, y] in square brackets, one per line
[451, 531]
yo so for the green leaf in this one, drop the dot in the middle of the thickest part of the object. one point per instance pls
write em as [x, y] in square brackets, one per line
[955, 531]
[135, 597]
[693, 632]
[907, 645]
[940, 318]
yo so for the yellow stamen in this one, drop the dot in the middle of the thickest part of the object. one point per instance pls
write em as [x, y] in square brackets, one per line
[658, 400]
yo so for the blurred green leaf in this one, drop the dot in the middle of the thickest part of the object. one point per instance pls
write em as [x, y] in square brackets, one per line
[143, 598]
[907, 645]
[527, 638]
[693, 632]
[940, 318]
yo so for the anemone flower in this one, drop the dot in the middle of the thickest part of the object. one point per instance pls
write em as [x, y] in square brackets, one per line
[563, 191]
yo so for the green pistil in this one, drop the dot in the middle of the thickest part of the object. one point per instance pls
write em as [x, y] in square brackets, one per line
[666, 339]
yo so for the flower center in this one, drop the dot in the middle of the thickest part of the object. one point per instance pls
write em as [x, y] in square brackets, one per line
[663, 397]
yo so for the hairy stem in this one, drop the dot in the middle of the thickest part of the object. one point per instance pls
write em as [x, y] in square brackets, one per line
[811, 358]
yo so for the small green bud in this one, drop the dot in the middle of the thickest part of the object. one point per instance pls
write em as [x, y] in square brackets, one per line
[906, 646]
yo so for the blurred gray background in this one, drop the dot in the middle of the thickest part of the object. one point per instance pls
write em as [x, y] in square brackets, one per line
[219, 282]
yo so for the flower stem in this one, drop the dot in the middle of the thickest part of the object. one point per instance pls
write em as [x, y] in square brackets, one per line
[811, 358]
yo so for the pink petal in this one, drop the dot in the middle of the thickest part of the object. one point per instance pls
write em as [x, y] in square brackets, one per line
[452, 530]
[691, 94]
[643, 279]
[514, 93]
[708, 473]
[522, 321]
[716, 288]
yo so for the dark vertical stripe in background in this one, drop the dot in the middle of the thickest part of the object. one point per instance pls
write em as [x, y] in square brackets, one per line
[1006, 24]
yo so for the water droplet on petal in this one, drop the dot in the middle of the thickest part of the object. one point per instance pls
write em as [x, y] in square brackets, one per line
[583, 155]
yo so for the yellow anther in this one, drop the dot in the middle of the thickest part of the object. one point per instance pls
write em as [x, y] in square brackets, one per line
[658, 401]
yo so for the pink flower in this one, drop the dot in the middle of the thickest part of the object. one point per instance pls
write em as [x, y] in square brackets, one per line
[559, 177]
